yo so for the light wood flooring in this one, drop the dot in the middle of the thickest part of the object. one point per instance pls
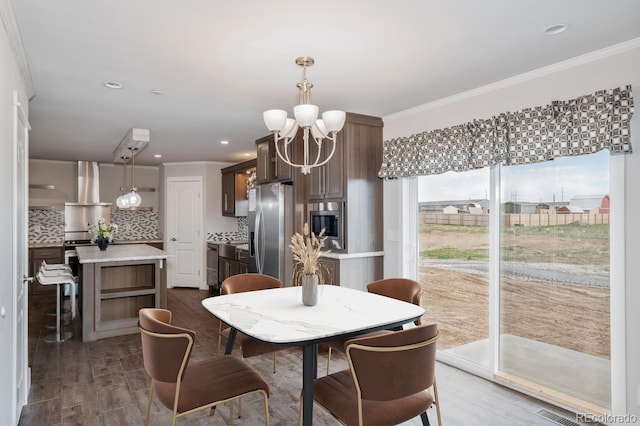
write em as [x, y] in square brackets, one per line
[104, 382]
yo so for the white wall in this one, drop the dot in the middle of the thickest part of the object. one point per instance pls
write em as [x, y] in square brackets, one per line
[609, 68]
[64, 176]
[10, 80]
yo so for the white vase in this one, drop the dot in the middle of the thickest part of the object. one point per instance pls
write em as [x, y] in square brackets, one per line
[309, 289]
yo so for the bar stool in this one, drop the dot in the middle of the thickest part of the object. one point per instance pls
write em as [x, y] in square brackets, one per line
[50, 269]
[57, 280]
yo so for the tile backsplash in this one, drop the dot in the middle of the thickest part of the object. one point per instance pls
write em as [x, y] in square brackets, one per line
[136, 224]
[242, 234]
[47, 226]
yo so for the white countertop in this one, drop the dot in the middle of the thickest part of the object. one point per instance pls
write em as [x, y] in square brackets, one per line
[279, 316]
[333, 255]
[119, 252]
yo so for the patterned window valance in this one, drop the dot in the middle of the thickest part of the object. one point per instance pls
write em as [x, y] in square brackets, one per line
[579, 126]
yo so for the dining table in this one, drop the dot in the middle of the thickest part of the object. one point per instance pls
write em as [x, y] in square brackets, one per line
[278, 316]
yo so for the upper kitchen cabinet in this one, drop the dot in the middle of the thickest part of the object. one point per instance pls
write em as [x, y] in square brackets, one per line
[270, 167]
[234, 188]
[354, 164]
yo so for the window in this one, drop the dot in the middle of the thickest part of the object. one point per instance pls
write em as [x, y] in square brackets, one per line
[551, 292]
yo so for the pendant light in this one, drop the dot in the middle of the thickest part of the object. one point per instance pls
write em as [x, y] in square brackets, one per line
[134, 198]
[123, 200]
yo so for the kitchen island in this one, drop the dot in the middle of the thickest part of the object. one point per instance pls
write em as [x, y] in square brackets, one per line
[116, 284]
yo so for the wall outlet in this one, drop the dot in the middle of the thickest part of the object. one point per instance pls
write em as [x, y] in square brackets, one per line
[37, 228]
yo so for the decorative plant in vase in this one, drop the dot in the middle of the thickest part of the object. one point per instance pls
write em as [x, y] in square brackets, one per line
[307, 270]
[103, 233]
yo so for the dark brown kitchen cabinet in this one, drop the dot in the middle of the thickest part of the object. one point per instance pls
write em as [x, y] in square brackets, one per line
[356, 157]
[237, 264]
[330, 270]
[234, 187]
[36, 256]
[270, 167]
[327, 181]
[228, 194]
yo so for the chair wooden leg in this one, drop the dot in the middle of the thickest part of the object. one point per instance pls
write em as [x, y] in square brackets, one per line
[436, 401]
[425, 419]
[300, 412]
[146, 420]
[231, 413]
[328, 360]
[266, 408]
[239, 407]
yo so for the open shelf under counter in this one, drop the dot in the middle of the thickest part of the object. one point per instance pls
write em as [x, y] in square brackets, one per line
[116, 284]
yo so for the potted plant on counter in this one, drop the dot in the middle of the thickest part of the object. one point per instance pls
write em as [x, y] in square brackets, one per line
[103, 233]
[307, 270]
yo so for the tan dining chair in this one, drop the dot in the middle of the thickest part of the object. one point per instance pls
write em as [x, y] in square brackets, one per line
[391, 379]
[184, 386]
[238, 284]
[398, 288]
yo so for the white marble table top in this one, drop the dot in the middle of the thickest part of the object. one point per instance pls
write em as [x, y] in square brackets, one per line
[278, 315]
[119, 252]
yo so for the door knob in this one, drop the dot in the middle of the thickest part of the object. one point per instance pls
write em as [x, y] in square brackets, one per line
[174, 239]
[26, 279]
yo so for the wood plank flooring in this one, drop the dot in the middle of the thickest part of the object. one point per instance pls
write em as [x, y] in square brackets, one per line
[104, 382]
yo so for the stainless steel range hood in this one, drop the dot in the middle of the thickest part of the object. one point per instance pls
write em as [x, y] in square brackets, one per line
[88, 209]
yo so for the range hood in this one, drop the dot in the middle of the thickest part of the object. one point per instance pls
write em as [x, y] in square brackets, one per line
[88, 185]
[88, 209]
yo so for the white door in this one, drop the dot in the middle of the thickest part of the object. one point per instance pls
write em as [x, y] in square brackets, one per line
[20, 256]
[184, 236]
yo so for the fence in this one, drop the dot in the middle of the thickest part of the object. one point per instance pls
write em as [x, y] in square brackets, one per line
[509, 220]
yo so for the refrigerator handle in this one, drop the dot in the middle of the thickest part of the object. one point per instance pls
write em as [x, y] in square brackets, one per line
[256, 240]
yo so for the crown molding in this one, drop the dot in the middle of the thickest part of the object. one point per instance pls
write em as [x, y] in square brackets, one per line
[10, 24]
[521, 78]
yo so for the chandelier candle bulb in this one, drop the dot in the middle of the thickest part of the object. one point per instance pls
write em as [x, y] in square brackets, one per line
[306, 116]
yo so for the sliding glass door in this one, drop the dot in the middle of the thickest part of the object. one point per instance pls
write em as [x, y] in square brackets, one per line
[550, 246]
[454, 260]
[554, 279]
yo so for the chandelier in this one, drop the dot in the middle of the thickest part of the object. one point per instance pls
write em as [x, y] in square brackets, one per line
[306, 116]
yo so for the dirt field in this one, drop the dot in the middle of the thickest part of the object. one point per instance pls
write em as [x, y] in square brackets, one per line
[572, 316]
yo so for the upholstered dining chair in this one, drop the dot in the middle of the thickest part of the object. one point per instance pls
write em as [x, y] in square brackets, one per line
[184, 386]
[391, 379]
[398, 288]
[238, 284]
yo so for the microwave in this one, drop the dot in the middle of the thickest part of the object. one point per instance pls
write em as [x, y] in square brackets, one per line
[328, 215]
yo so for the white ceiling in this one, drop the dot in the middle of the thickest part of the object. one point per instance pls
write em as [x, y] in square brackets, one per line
[220, 64]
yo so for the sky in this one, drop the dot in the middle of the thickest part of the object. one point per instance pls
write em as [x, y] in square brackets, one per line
[559, 180]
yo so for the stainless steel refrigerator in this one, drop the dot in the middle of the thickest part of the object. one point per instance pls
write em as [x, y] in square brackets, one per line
[270, 219]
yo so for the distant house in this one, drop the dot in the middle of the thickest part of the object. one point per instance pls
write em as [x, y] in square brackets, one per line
[591, 203]
[450, 210]
[520, 207]
[462, 205]
[570, 210]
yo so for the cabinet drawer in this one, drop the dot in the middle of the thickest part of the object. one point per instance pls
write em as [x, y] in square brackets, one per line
[242, 256]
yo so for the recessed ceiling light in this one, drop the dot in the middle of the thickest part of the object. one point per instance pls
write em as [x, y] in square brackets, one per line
[225, 142]
[112, 84]
[246, 154]
[157, 155]
[156, 92]
[556, 29]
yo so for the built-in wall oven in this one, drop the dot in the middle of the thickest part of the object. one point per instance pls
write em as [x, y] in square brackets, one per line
[328, 215]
